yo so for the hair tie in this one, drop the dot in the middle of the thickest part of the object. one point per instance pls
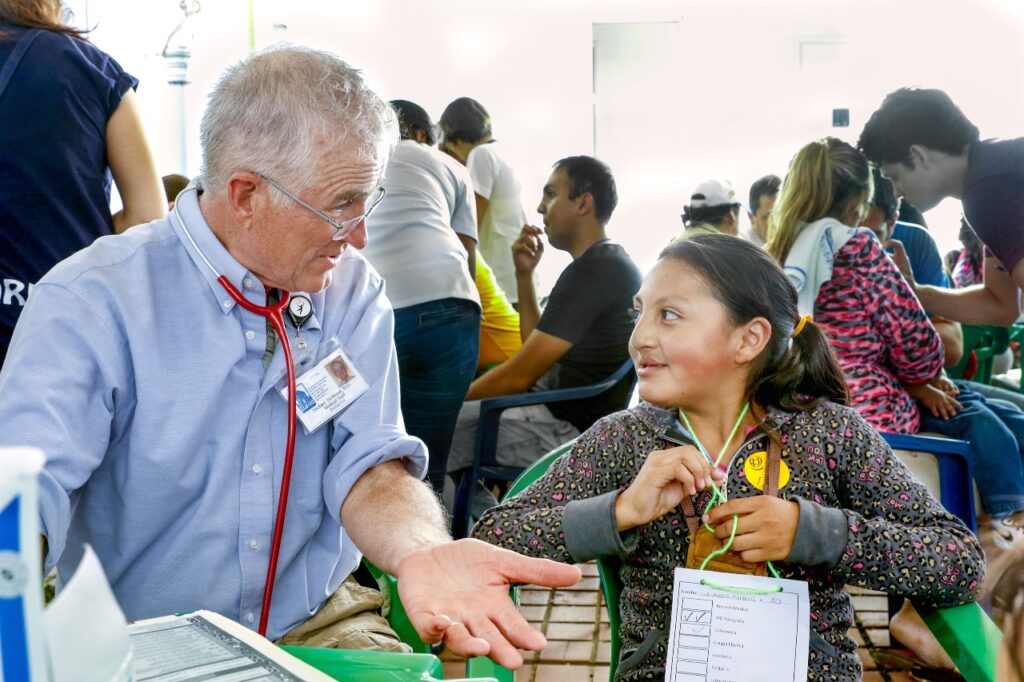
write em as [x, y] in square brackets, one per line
[800, 324]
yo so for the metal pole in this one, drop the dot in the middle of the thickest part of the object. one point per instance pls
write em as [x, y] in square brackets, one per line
[177, 51]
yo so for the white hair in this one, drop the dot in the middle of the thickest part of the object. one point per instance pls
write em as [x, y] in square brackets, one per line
[278, 111]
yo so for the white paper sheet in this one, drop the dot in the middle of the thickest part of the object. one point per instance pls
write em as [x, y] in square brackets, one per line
[86, 629]
[721, 636]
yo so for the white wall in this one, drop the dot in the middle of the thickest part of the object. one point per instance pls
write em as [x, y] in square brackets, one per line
[729, 95]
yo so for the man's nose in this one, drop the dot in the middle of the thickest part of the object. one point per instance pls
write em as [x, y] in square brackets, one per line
[358, 237]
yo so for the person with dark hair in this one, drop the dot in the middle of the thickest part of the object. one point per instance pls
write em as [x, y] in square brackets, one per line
[930, 150]
[173, 185]
[907, 213]
[414, 122]
[424, 246]
[712, 208]
[69, 122]
[729, 370]
[884, 219]
[763, 193]
[880, 334]
[467, 137]
[579, 339]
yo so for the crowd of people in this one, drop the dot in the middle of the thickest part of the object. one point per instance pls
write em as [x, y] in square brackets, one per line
[377, 270]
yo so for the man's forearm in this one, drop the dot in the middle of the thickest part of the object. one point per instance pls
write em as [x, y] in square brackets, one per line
[496, 382]
[529, 308]
[389, 514]
[973, 305]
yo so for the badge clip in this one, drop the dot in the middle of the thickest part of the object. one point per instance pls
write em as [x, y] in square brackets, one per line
[300, 309]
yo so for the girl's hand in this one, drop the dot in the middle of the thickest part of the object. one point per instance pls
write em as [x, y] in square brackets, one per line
[943, 383]
[765, 528]
[939, 403]
[665, 478]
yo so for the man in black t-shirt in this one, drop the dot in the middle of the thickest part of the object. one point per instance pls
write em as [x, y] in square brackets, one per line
[930, 150]
[581, 337]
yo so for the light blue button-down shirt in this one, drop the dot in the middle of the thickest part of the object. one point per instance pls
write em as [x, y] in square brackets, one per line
[143, 382]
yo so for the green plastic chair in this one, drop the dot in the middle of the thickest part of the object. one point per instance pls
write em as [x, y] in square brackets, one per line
[370, 666]
[966, 632]
[986, 342]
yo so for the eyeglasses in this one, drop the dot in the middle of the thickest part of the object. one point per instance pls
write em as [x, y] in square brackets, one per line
[342, 228]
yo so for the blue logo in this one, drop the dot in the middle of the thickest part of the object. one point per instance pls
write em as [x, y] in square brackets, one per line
[303, 400]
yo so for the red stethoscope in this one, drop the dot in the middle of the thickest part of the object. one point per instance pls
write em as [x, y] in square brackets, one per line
[273, 315]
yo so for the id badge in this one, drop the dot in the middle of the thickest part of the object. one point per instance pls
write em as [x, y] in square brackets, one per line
[325, 389]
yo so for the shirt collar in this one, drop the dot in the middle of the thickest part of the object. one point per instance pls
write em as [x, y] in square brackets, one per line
[200, 242]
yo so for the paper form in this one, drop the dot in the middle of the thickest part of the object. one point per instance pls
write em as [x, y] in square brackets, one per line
[721, 636]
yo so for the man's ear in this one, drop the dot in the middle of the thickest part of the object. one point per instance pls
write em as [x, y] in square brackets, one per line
[754, 336]
[919, 155]
[586, 203]
[243, 201]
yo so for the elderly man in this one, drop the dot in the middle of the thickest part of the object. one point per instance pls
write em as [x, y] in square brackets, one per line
[156, 394]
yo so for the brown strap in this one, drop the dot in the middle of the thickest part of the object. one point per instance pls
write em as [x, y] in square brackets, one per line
[690, 515]
[774, 466]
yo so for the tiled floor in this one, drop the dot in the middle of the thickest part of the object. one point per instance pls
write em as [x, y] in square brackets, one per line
[576, 625]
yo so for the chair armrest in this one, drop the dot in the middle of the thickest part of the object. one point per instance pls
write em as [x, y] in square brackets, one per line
[969, 637]
[931, 444]
[504, 402]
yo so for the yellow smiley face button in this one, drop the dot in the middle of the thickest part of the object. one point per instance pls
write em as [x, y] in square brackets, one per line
[754, 467]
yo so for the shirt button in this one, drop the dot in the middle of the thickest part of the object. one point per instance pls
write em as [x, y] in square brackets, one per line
[251, 617]
[257, 468]
[253, 544]
[227, 303]
[247, 283]
[250, 335]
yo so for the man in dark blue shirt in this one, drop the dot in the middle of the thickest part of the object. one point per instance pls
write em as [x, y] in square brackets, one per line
[930, 150]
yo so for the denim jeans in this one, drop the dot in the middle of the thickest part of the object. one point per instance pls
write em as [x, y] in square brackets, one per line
[437, 343]
[995, 430]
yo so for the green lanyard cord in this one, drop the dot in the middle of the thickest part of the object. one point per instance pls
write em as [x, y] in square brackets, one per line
[717, 495]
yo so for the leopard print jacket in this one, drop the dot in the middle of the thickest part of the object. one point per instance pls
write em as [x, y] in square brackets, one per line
[898, 538]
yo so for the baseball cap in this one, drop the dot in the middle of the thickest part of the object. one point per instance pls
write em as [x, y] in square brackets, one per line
[713, 193]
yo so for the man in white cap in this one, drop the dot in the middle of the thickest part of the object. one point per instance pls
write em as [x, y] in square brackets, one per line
[713, 207]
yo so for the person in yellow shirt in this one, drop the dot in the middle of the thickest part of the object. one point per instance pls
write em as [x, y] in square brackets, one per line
[499, 330]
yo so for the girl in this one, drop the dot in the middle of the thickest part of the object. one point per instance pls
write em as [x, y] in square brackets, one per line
[880, 334]
[718, 346]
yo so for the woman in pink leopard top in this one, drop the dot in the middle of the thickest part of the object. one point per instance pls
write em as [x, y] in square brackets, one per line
[876, 325]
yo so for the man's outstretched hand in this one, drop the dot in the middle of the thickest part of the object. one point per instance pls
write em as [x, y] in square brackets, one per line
[458, 591]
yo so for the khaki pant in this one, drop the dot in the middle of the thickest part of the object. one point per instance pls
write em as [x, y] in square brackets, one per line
[350, 619]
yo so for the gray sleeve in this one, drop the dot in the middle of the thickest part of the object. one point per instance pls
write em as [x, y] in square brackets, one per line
[591, 530]
[821, 535]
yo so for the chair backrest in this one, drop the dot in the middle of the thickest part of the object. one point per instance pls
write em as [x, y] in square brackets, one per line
[537, 469]
[986, 342]
[608, 567]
